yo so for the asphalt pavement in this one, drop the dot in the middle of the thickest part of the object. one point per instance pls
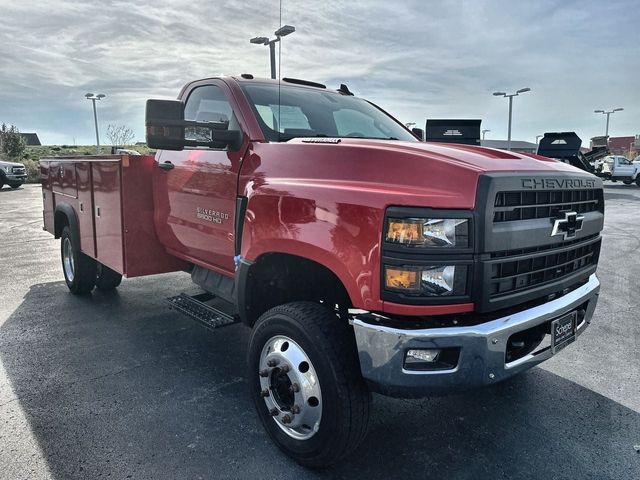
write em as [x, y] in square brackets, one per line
[118, 386]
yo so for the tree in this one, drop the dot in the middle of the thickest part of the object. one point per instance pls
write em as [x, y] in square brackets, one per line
[120, 135]
[11, 142]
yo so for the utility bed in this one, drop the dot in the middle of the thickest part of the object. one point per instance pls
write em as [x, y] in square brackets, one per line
[111, 199]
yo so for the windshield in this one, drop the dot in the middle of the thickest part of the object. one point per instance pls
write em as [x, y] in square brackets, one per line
[316, 113]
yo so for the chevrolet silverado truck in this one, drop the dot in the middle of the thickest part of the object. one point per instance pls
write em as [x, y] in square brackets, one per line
[362, 259]
[12, 174]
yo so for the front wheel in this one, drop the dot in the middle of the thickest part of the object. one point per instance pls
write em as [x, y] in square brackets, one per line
[305, 380]
[627, 182]
[638, 180]
[79, 269]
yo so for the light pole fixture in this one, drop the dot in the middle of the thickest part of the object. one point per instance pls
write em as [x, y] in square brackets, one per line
[538, 137]
[93, 98]
[510, 97]
[484, 132]
[409, 125]
[281, 32]
[606, 134]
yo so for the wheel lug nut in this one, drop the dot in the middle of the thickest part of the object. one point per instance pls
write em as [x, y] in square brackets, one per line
[295, 409]
[274, 412]
[286, 419]
[294, 388]
[264, 373]
[285, 368]
[265, 392]
[272, 362]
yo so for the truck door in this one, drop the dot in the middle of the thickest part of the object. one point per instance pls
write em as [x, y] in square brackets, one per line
[195, 201]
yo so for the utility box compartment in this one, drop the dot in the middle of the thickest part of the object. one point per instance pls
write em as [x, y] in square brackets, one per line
[112, 198]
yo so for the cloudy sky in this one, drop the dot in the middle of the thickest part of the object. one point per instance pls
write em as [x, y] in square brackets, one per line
[417, 59]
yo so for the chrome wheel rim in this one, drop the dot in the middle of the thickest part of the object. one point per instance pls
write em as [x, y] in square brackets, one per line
[67, 259]
[290, 388]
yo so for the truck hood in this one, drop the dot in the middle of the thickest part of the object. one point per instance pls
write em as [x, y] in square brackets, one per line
[479, 159]
[381, 172]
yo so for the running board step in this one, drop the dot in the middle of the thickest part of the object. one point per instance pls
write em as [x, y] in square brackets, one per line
[196, 308]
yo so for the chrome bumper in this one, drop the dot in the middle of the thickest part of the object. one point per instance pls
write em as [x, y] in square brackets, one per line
[16, 177]
[481, 361]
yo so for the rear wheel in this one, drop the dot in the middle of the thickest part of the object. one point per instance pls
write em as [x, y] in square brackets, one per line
[304, 378]
[79, 269]
[106, 279]
[638, 180]
[627, 182]
[14, 185]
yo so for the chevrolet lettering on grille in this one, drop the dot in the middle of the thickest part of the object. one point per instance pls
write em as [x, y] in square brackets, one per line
[557, 183]
[567, 225]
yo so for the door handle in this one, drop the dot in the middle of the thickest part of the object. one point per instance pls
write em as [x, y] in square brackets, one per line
[167, 165]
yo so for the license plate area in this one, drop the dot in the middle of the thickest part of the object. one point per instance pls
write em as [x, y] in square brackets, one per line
[563, 331]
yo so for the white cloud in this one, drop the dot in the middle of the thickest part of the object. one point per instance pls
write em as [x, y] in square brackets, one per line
[416, 59]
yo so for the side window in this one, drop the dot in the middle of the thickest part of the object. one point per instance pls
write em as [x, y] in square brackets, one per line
[353, 122]
[208, 104]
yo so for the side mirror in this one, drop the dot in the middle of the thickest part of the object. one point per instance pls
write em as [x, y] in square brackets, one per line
[418, 132]
[167, 129]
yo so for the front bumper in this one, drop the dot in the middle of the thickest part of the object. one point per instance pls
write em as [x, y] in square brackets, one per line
[15, 178]
[481, 361]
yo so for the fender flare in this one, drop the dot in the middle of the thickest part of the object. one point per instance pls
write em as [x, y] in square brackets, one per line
[72, 219]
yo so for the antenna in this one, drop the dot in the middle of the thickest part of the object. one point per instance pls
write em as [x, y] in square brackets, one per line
[279, 72]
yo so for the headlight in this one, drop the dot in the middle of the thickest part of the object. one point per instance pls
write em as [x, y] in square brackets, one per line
[429, 232]
[431, 281]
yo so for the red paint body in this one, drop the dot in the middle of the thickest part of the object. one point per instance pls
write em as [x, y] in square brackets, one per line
[112, 200]
[323, 202]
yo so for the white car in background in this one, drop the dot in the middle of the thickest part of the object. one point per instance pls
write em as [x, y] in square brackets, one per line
[617, 167]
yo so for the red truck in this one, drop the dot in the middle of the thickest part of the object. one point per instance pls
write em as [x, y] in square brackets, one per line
[362, 258]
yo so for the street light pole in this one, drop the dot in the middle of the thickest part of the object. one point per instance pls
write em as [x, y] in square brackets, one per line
[606, 134]
[485, 131]
[93, 98]
[510, 97]
[271, 43]
[272, 57]
[537, 137]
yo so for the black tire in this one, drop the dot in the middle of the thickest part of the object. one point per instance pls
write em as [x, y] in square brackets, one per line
[627, 182]
[638, 180]
[15, 185]
[80, 274]
[106, 279]
[330, 346]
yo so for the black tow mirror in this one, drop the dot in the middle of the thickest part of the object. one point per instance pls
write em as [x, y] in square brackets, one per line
[168, 130]
[164, 122]
[418, 132]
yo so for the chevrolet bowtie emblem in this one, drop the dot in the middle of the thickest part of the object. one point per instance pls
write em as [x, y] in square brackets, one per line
[568, 225]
